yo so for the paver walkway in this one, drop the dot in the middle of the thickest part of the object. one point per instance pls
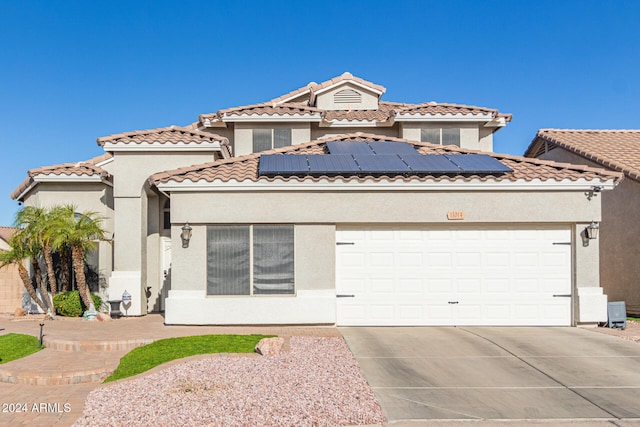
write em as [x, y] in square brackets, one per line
[49, 388]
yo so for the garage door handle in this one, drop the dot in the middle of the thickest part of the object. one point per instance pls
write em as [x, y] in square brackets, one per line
[562, 295]
[453, 302]
[345, 243]
[345, 296]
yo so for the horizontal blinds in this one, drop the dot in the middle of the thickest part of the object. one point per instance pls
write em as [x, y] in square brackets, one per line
[228, 260]
[273, 259]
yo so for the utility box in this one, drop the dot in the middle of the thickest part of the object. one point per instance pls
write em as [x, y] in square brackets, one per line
[617, 313]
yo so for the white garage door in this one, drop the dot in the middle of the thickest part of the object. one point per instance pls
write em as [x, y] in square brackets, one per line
[436, 276]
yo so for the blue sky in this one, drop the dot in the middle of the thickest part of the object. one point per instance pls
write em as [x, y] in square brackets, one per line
[72, 71]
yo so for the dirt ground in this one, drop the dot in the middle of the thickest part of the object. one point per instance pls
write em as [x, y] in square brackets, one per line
[632, 331]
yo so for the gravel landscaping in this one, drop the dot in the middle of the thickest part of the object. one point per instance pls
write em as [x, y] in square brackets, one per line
[316, 383]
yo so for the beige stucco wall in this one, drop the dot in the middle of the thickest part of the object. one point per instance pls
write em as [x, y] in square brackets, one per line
[322, 132]
[486, 139]
[243, 138]
[11, 287]
[618, 237]
[383, 207]
[316, 215]
[369, 99]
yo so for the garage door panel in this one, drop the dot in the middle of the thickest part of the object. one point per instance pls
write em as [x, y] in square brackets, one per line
[406, 276]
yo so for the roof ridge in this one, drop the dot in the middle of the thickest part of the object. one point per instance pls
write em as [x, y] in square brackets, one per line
[314, 87]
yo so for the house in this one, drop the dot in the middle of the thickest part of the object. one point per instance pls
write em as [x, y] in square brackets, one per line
[330, 205]
[615, 150]
[11, 288]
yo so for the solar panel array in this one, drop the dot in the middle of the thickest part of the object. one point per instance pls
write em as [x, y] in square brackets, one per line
[377, 158]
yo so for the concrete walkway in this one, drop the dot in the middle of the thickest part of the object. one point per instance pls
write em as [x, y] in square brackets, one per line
[49, 388]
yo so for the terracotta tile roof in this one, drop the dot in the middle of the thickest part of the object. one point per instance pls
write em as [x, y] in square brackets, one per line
[167, 135]
[269, 109]
[7, 232]
[385, 112]
[316, 87]
[86, 168]
[434, 108]
[245, 168]
[614, 149]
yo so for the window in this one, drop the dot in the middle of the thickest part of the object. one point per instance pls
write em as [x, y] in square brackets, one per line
[266, 139]
[250, 260]
[441, 136]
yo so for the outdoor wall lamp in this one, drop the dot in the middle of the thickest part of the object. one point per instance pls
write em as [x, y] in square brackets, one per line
[592, 230]
[185, 235]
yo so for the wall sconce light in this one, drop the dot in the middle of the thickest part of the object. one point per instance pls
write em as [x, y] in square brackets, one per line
[592, 230]
[185, 235]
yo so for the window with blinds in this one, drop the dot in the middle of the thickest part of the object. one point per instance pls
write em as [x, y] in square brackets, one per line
[441, 136]
[267, 139]
[250, 260]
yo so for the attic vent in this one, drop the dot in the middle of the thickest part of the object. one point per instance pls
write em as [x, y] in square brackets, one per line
[347, 96]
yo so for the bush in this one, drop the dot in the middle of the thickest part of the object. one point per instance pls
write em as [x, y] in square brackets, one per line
[70, 304]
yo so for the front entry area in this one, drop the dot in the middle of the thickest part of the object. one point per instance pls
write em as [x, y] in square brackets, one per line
[414, 276]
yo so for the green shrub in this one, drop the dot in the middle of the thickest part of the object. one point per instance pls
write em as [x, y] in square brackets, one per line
[70, 304]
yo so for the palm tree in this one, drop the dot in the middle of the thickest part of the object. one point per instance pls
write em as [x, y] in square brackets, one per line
[16, 256]
[37, 238]
[80, 232]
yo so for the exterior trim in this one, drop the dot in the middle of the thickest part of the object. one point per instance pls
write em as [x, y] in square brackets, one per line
[443, 117]
[168, 146]
[398, 185]
[271, 118]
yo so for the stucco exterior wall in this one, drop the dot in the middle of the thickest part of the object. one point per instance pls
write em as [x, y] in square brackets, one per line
[136, 241]
[618, 237]
[486, 139]
[316, 214]
[243, 134]
[322, 132]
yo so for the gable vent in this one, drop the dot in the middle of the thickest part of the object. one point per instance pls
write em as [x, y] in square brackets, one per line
[347, 96]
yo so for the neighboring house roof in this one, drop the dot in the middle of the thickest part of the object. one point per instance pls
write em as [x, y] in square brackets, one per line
[68, 172]
[245, 168]
[614, 149]
[7, 232]
[169, 136]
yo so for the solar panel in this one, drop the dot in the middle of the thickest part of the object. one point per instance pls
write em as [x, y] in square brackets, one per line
[349, 147]
[430, 163]
[382, 163]
[478, 163]
[283, 164]
[332, 164]
[387, 147]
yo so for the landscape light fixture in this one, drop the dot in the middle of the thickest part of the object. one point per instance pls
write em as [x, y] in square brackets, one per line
[592, 230]
[185, 235]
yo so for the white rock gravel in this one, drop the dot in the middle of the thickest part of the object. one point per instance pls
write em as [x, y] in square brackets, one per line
[317, 383]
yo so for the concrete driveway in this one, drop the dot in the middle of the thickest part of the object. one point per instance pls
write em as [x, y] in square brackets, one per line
[482, 373]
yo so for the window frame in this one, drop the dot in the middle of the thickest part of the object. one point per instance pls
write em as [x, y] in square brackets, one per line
[251, 258]
[441, 132]
[273, 137]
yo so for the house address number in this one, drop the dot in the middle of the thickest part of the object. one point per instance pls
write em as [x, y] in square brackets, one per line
[455, 215]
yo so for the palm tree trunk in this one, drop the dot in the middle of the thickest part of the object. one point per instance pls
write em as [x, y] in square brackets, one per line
[43, 288]
[51, 273]
[26, 281]
[77, 256]
[64, 269]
